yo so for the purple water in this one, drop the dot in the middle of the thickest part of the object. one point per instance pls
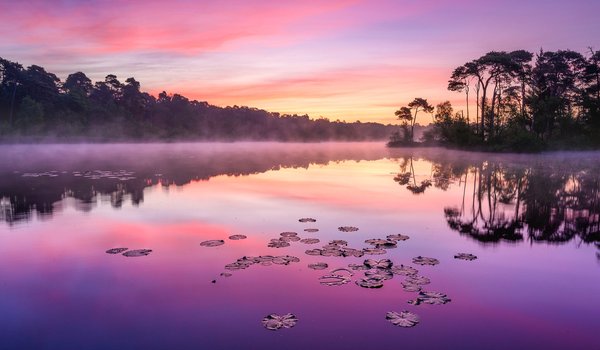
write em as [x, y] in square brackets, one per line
[531, 220]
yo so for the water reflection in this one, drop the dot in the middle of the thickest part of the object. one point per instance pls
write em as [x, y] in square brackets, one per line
[38, 179]
[550, 198]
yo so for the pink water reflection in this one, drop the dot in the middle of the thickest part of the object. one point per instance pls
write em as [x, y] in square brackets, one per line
[61, 290]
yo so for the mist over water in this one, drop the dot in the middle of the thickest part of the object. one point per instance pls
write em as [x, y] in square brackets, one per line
[530, 221]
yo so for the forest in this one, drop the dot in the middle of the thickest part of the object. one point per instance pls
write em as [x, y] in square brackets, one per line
[523, 103]
[35, 105]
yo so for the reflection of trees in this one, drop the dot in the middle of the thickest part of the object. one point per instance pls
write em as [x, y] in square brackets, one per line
[549, 203]
[407, 177]
[165, 165]
[539, 198]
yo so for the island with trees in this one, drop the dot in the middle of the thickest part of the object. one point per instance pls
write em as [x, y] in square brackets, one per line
[523, 103]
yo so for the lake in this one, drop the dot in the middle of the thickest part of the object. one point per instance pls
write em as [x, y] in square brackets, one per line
[298, 216]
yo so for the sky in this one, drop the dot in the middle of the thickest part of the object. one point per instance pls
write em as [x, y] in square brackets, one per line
[339, 59]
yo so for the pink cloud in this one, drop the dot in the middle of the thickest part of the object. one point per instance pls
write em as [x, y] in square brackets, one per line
[177, 26]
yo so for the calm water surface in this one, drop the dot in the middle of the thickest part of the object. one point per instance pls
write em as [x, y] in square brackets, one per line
[532, 221]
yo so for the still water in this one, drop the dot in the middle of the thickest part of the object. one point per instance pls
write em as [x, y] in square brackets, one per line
[532, 221]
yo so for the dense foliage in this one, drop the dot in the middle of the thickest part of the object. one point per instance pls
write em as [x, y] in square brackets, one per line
[524, 102]
[36, 104]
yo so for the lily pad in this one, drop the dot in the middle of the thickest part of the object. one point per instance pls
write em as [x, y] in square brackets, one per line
[334, 280]
[338, 242]
[318, 266]
[404, 270]
[375, 241]
[274, 322]
[465, 256]
[379, 274]
[416, 279]
[342, 269]
[213, 243]
[277, 243]
[402, 319]
[237, 237]
[226, 274]
[288, 234]
[290, 239]
[116, 250]
[398, 237]
[368, 282]
[348, 228]
[378, 264]
[358, 267]
[137, 252]
[373, 251]
[311, 230]
[422, 260]
[313, 252]
[307, 220]
[310, 240]
[431, 298]
[407, 287]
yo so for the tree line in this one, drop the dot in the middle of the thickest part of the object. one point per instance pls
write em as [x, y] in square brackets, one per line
[523, 102]
[35, 103]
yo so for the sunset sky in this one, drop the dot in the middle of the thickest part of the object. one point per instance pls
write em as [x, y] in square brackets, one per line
[340, 59]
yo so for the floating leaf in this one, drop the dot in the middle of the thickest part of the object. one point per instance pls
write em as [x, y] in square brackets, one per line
[213, 243]
[237, 237]
[421, 260]
[398, 237]
[225, 274]
[288, 234]
[338, 242]
[307, 220]
[348, 228]
[334, 280]
[419, 280]
[290, 239]
[375, 241]
[137, 252]
[310, 240]
[432, 298]
[342, 269]
[311, 230]
[277, 243]
[368, 282]
[374, 251]
[379, 274]
[389, 244]
[274, 322]
[404, 270]
[402, 319]
[313, 252]
[318, 266]
[465, 256]
[411, 287]
[290, 258]
[378, 264]
[358, 267]
[116, 250]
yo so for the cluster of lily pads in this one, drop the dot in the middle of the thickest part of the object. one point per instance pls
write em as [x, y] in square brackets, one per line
[375, 272]
[288, 237]
[129, 253]
[264, 260]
